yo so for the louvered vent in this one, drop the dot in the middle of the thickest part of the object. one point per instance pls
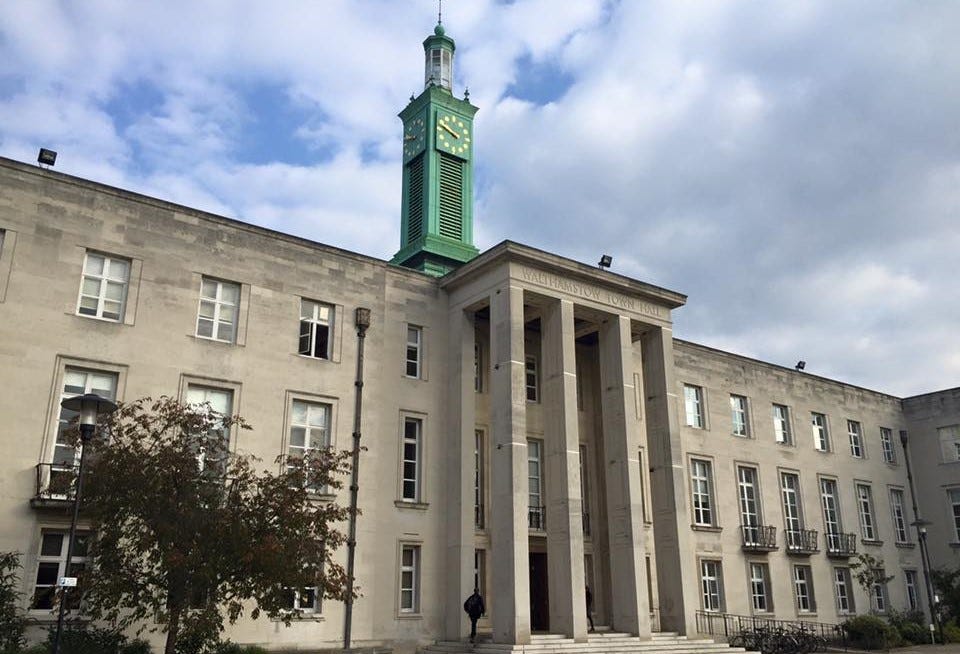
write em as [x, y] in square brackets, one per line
[415, 200]
[451, 197]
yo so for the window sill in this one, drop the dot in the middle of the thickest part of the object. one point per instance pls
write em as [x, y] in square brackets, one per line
[304, 617]
[906, 546]
[785, 443]
[409, 616]
[874, 543]
[109, 321]
[208, 339]
[712, 528]
[955, 546]
[416, 506]
[308, 357]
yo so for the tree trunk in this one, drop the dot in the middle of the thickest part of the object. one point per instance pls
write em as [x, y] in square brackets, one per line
[173, 630]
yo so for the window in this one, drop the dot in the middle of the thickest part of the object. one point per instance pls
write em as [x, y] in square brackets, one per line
[52, 564]
[309, 429]
[584, 489]
[781, 424]
[760, 587]
[480, 572]
[219, 308]
[478, 479]
[532, 379]
[103, 288]
[821, 437]
[644, 506]
[855, 432]
[66, 457]
[953, 495]
[749, 506]
[409, 579]
[949, 438]
[913, 597]
[879, 592]
[221, 401]
[316, 329]
[477, 368]
[831, 514]
[792, 516]
[842, 586]
[702, 486]
[535, 484]
[886, 445]
[711, 583]
[414, 351]
[693, 403]
[411, 447]
[304, 600]
[803, 588]
[738, 415]
[868, 529]
[899, 515]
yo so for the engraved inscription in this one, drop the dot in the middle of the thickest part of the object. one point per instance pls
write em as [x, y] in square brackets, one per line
[591, 292]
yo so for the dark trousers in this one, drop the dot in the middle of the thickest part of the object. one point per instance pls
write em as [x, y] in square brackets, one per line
[473, 627]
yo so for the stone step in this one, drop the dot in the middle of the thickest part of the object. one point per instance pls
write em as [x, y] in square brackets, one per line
[579, 648]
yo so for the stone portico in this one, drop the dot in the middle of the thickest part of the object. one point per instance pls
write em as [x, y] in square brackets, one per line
[516, 302]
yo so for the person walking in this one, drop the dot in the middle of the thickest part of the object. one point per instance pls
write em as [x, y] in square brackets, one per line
[474, 608]
[589, 597]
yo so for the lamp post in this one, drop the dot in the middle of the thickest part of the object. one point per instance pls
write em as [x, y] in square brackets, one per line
[920, 525]
[90, 407]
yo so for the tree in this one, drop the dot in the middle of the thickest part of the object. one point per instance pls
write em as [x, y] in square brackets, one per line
[12, 620]
[947, 585]
[869, 573]
[190, 534]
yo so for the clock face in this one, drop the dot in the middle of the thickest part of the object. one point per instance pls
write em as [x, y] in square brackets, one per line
[453, 134]
[414, 138]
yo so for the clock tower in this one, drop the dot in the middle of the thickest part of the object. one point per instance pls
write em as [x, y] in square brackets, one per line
[436, 228]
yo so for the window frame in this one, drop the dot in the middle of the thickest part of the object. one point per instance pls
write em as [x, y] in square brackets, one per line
[78, 561]
[694, 407]
[711, 585]
[912, 586]
[803, 588]
[782, 431]
[855, 436]
[821, 432]
[226, 432]
[535, 458]
[831, 532]
[531, 378]
[953, 508]
[104, 279]
[865, 510]
[879, 594]
[313, 324]
[418, 441]
[479, 478]
[793, 514]
[898, 513]
[739, 416]
[218, 305]
[327, 430]
[743, 500]
[764, 584]
[702, 486]
[414, 347]
[887, 447]
[414, 569]
[843, 579]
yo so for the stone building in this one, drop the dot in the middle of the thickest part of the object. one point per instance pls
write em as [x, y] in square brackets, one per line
[532, 425]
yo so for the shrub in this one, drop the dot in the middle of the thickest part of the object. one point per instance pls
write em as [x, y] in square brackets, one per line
[911, 626]
[951, 632]
[38, 648]
[136, 646]
[12, 621]
[870, 632]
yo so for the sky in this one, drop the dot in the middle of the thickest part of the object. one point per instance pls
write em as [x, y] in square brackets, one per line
[792, 167]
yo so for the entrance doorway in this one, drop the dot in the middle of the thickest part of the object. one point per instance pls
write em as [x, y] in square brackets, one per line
[539, 600]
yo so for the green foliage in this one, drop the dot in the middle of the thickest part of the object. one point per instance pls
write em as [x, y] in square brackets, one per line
[39, 648]
[88, 640]
[136, 646]
[869, 572]
[951, 631]
[870, 632]
[191, 533]
[911, 626]
[12, 620]
[947, 585]
[233, 648]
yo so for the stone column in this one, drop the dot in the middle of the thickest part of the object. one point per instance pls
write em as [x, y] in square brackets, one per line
[630, 611]
[677, 579]
[562, 443]
[510, 563]
[459, 470]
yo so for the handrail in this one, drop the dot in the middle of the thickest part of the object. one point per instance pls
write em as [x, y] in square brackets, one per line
[731, 624]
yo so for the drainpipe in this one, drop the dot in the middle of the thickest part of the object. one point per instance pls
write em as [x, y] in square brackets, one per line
[362, 322]
[920, 524]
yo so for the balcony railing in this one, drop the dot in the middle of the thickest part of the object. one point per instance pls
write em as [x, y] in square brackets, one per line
[758, 538]
[537, 518]
[841, 546]
[801, 541]
[478, 516]
[55, 484]
[586, 524]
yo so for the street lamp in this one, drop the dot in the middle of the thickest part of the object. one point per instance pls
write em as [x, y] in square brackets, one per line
[921, 526]
[90, 407]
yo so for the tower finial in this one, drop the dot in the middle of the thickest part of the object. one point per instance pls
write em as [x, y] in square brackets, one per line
[439, 12]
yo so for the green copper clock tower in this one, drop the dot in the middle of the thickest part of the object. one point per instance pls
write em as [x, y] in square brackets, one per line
[436, 229]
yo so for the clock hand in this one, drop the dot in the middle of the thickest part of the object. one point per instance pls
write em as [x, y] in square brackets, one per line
[444, 126]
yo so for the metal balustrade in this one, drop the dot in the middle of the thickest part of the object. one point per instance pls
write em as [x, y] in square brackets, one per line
[841, 546]
[537, 518]
[801, 541]
[758, 538]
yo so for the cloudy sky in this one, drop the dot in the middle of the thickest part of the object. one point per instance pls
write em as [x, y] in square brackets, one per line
[793, 167]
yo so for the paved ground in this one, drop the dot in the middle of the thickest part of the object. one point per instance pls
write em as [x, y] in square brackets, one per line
[952, 648]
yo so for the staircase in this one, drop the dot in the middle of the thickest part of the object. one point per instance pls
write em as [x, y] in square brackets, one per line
[599, 642]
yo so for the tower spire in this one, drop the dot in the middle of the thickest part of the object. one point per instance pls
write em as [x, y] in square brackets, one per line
[439, 12]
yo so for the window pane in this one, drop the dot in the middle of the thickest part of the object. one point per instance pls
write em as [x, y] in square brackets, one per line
[51, 545]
